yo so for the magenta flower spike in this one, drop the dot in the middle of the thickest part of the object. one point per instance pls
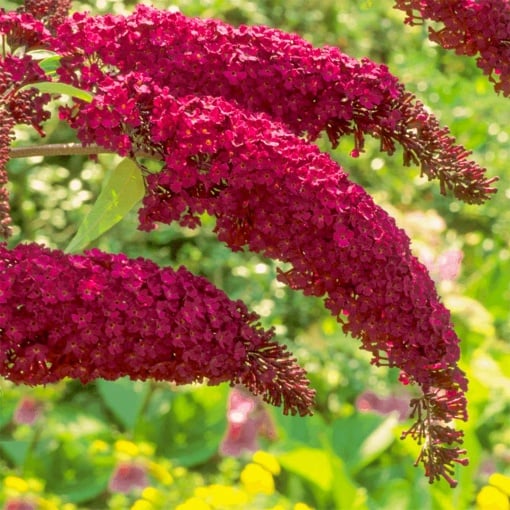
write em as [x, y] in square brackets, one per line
[311, 90]
[104, 315]
[470, 27]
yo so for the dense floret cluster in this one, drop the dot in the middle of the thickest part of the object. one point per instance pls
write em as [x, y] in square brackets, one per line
[311, 90]
[480, 27]
[25, 107]
[278, 195]
[112, 316]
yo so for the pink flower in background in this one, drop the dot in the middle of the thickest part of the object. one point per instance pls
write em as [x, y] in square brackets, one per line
[247, 420]
[446, 266]
[20, 504]
[369, 401]
[27, 411]
[128, 477]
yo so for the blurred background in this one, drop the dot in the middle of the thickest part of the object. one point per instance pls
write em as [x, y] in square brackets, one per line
[132, 445]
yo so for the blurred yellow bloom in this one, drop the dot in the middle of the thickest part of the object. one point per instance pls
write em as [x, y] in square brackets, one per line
[35, 485]
[257, 480]
[142, 504]
[501, 482]
[127, 447]
[153, 495]
[302, 506]
[268, 461]
[46, 504]
[68, 506]
[490, 498]
[180, 471]
[194, 503]
[146, 449]
[161, 473]
[221, 495]
[98, 446]
[16, 484]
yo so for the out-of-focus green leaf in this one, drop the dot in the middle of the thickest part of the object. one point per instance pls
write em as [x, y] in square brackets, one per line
[187, 426]
[378, 441]
[55, 87]
[86, 488]
[16, 451]
[360, 438]
[122, 189]
[311, 464]
[124, 398]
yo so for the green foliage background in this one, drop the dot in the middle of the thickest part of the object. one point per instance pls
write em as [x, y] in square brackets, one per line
[339, 458]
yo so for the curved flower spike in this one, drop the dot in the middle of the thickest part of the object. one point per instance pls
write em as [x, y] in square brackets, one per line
[311, 90]
[480, 27]
[278, 195]
[104, 315]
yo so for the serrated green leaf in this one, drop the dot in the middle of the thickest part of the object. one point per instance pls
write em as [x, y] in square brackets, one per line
[55, 87]
[122, 188]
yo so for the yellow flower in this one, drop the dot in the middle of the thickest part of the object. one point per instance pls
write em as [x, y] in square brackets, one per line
[302, 506]
[490, 498]
[16, 484]
[98, 446]
[35, 485]
[46, 504]
[221, 495]
[268, 461]
[161, 473]
[127, 447]
[146, 449]
[142, 504]
[153, 495]
[194, 503]
[257, 480]
[501, 482]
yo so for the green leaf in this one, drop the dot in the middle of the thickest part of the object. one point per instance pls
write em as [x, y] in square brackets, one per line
[360, 438]
[310, 464]
[50, 65]
[42, 54]
[122, 188]
[55, 87]
[16, 451]
[124, 398]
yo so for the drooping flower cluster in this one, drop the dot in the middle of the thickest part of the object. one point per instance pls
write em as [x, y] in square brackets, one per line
[311, 90]
[51, 12]
[112, 317]
[280, 196]
[26, 107]
[480, 27]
